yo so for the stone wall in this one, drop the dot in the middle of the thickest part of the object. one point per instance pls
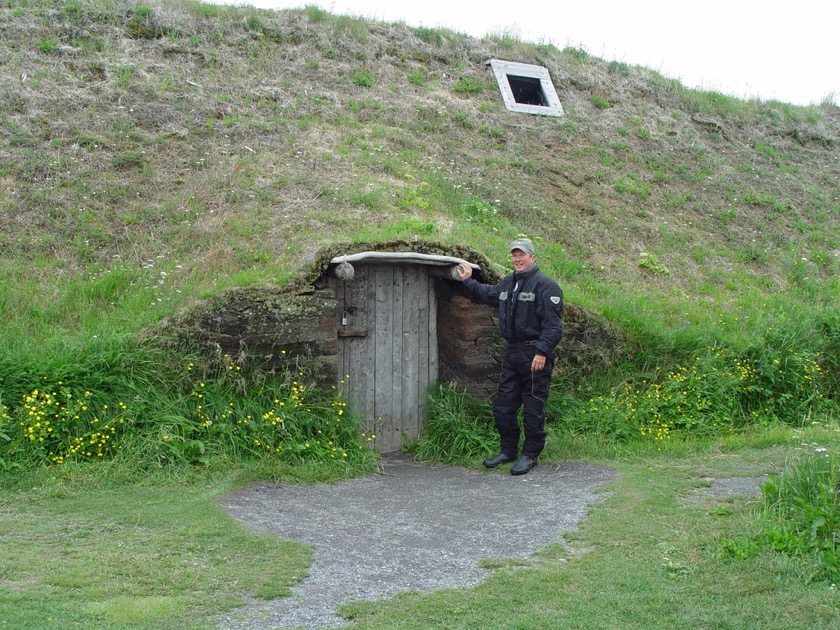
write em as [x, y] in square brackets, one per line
[270, 328]
[470, 348]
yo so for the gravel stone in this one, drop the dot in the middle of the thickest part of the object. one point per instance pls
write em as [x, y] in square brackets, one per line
[413, 527]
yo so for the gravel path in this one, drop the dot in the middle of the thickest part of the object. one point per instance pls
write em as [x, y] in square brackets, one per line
[415, 527]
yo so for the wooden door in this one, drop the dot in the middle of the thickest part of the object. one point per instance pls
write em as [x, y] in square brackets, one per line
[387, 348]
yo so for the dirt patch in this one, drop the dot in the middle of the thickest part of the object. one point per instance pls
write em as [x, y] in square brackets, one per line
[731, 487]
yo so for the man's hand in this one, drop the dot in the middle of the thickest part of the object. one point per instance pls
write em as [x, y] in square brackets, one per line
[538, 363]
[464, 271]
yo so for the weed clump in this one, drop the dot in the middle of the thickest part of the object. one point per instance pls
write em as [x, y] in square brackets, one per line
[799, 518]
[458, 428]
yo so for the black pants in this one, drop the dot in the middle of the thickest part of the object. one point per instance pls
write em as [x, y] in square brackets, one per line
[519, 386]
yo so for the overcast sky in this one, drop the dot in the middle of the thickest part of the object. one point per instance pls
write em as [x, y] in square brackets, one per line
[783, 51]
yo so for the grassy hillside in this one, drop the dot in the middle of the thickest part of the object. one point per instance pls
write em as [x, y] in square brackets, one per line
[155, 153]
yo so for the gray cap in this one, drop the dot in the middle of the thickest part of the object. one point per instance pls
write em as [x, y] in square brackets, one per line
[523, 244]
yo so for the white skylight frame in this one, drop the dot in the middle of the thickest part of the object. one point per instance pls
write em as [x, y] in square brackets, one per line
[524, 73]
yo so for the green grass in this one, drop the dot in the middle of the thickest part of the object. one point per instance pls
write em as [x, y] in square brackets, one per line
[458, 428]
[91, 546]
[134, 406]
[362, 78]
[82, 550]
[600, 102]
[469, 85]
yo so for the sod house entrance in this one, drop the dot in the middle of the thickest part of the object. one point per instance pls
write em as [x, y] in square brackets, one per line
[383, 322]
[388, 346]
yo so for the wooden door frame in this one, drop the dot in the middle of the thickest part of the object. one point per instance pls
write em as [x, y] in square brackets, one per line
[388, 354]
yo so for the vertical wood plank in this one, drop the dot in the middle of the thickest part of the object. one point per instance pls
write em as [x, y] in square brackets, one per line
[409, 341]
[397, 364]
[352, 297]
[408, 404]
[432, 364]
[347, 360]
[422, 342]
[382, 351]
[340, 367]
[367, 306]
[359, 362]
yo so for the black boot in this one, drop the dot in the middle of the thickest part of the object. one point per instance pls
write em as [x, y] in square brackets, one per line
[501, 458]
[524, 464]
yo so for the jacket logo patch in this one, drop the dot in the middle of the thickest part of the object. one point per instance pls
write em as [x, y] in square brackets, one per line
[503, 296]
[554, 299]
[527, 297]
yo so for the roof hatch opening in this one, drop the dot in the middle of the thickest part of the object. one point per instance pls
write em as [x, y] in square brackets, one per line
[526, 88]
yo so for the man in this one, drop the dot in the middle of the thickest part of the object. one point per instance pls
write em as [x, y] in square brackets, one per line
[530, 319]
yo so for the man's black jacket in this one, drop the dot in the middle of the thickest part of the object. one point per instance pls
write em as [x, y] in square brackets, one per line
[530, 307]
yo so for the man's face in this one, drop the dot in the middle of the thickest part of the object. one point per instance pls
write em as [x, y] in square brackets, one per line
[522, 261]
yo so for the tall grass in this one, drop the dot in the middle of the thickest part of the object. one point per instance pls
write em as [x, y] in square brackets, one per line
[690, 383]
[116, 399]
[799, 518]
[676, 384]
[458, 428]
